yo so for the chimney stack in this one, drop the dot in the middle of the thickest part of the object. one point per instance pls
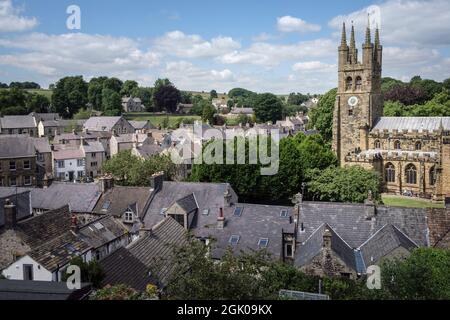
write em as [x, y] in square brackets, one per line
[157, 181]
[10, 215]
[106, 183]
[327, 238]
[74, 223]
[227, 196]
[369, 207]
[221, 219]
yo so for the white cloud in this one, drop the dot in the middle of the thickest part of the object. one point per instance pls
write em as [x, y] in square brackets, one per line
[11, 20]
[270, 55]
[179, 44]
[413, 22]
[293, 24]
[262, 37]
[77, 53]
[188, 76]
[314, 66]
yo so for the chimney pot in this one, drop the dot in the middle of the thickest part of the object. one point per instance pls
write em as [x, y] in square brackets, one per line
[221, 219]
[74, 223]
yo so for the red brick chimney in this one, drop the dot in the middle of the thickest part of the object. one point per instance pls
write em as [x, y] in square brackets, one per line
[74, 223]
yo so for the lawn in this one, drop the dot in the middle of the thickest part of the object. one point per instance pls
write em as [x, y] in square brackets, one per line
[44, 92]
[397, 201]
[157, 120]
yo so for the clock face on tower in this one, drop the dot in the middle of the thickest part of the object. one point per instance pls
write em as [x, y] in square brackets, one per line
[353, 101]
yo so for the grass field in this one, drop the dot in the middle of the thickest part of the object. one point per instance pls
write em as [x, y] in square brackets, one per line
[157, 120]
[397, 201]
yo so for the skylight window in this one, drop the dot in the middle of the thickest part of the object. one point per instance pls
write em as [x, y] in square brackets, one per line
[98, 225]
[238, 211]
[284, 213]
[163, 211]
[263, 242]
[234, 240]
[205, 212]
[106, 205]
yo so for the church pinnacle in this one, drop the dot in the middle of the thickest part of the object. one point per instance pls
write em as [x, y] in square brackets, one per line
[344, 36]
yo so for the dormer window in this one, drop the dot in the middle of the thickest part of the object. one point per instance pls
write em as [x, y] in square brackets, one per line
[129, 216]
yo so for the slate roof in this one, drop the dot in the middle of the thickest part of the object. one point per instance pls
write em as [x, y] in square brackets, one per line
[40, 290]
[115, 201]
[256, 222]
[147, 260]
[385, 240]
[17, 122]
[208, 195]
[81, 198]
[45, 116]
[101, 123]
[90, 135]
[16, 146]
[413, 123]
[314, 245]
[188, 203]
[63, 152]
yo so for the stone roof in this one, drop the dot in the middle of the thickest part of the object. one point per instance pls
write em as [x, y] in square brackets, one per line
[102, 231]
[45, 116]
[188, 203]
[412, 123]
[93, 147]
[101, 123]
[63, 152]
[16, 146]
[90, 135]
[149, 150]
[147, 260]
[242, 110]
[17, 122]
[141, 124]
[41, 229]
[117, 200]
[42, 145]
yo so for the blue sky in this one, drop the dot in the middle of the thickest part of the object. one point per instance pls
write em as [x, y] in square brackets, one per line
[277, 46]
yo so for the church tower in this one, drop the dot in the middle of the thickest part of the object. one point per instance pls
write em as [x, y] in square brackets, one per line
[359, 102]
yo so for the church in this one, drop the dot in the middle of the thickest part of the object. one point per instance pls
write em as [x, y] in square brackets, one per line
[412, 154]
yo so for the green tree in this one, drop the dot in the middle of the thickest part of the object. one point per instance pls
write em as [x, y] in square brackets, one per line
[186, 97]
[118, 292]
[213, 94]
[446, 84]
[82, 114]
[166, 97]
[297, 99]
[90, 272]
[128, 88]
[321, 117]
[69, 96]
[208, 113]
[37, 103]
[113, 84]
[111, 102]
[95, 89]
[348, 184]
[268, 107]
[424, 275]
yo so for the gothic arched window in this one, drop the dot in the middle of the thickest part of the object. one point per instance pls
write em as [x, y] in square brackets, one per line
[432, 176]
[397, 145]
[389, 172]
[348, 84]
[411, 174]
[418, 145]
[377, 144]
[358, 83]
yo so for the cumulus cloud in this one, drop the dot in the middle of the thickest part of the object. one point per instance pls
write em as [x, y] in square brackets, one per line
[314, 66]
[405, 22]
[293, 24]
[267, 54]
[179, 44]
[77, 53]
[12, 21]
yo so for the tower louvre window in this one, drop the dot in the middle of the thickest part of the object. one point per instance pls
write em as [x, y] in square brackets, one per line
[358, 83]
[348, 84]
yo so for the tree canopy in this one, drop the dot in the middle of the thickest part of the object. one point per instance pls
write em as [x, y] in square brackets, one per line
[321, 117]
[166, 97]
[69, 96]
[267, 107]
